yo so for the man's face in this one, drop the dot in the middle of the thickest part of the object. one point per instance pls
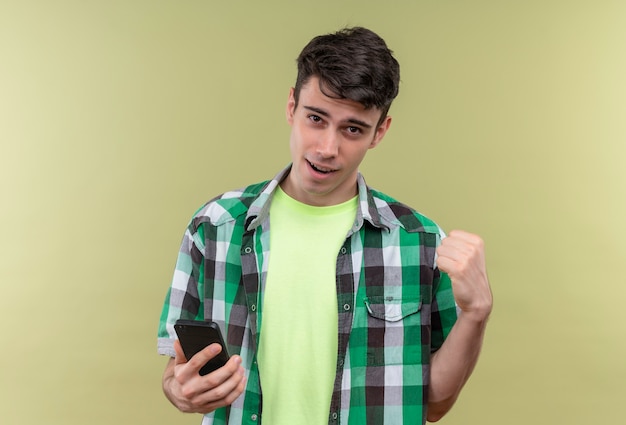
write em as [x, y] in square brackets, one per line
[329, 139]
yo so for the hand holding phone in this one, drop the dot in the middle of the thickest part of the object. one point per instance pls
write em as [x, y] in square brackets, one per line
[195, 335]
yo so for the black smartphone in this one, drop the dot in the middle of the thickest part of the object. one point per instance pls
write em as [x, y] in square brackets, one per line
[195, 335]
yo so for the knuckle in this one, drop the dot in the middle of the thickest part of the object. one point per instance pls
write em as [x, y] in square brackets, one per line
[232, 397]
[187, 392]
[220, 393]
[212, 381]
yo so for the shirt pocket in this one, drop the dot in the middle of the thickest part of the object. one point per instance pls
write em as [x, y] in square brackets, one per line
[393, 331]
[392, 309]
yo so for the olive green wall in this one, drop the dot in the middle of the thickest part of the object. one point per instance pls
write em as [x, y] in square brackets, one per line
[119, 118]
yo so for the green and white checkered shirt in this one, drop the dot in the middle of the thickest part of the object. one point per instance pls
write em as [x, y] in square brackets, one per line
[395, 307]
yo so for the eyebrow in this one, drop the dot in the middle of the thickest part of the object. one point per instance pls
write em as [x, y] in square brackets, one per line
[326, 114]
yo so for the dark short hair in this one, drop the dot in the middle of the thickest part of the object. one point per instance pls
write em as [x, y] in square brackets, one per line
[353, 63]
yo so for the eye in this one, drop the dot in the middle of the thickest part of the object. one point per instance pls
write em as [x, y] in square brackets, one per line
[315, 118]
[353, 130]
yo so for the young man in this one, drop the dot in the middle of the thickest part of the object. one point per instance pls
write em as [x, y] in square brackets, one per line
[339, 304]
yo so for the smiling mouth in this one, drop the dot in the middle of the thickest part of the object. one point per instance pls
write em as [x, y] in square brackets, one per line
[321, 170]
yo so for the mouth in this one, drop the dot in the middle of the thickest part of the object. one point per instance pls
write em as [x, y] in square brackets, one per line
[319, 169]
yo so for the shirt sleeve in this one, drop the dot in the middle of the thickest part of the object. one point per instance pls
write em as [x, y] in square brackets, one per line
[182, 300]
[444, 310]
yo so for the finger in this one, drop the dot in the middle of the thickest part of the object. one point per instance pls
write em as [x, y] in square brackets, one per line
[230, 396]
[224, 373]
[465, 236]
[229, 399]
[453, 251]
[445, 264]
[460, 246]
[204, 355]
[224, 384]
[459, 262]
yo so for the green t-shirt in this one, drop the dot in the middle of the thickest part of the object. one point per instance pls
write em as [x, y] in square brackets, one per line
[298, 338]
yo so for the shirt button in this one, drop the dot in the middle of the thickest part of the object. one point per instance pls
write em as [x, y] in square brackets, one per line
[334, 415]
[247, 250]
[253, 307]
[254, 417]
[346, 307]
[343, 250]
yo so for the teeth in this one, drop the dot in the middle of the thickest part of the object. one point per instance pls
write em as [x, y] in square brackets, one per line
[321, 170]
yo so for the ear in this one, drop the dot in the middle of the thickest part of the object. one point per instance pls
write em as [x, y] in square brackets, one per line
[291, 106]
[380, 132]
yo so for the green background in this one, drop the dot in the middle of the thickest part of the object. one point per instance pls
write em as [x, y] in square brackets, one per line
[119, 118]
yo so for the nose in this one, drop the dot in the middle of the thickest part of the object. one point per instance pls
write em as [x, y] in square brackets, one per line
[328, 144]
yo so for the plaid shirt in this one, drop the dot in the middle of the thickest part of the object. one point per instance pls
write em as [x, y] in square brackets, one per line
[395, 307]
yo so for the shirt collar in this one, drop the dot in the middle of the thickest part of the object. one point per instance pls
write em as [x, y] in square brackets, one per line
[367, 209]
